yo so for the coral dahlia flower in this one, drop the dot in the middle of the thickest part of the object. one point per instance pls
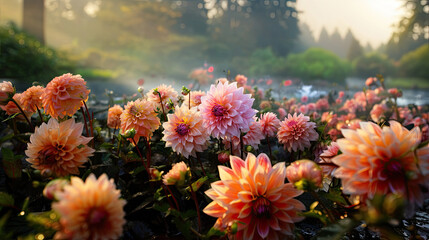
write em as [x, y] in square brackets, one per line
[167, 92]
[296, 132]
[226, 110]
[90, 210]
[305, 174]
[269, 124]
[177, 174]
[58, 148]
[141, 116]
[377, 160]
[184, 132]
[252, 137]
[63, 95]
[10, 108]
[31, 99]
[241, 80]
[253, 195]
[114, 117]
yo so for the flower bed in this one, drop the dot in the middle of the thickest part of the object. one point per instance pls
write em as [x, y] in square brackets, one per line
[231, 162]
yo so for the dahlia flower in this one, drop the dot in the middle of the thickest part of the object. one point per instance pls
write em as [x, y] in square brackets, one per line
[141, 116]
[167, 92]
[378, 110]
[114, 117]
[296, 132]
[54, 187]
[90, 210]
[326, 159]
[241, 80]
[195, 98]
[6, 92]
[10, 108]
[252, 137]
[226, 110]
[63, 95]
[377, 160]
[58, 148]
[184, 132]
[282, 113]
[177, 174]
[269, 124]
[304, 174]
[31, 99]
[253, 195]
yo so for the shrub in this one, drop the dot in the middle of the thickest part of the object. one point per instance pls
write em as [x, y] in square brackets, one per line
[24, 58]
[416, 63]
[372, 64]
[316, 63]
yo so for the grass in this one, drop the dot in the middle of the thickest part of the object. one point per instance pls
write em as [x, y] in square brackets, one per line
[407, 83]
[93, 73]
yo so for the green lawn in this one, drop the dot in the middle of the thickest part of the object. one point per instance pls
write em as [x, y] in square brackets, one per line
[407, 83]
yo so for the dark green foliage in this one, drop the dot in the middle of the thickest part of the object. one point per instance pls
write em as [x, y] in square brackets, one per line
[316, 63]
[24, 58]
[416, 63]
[372, 64]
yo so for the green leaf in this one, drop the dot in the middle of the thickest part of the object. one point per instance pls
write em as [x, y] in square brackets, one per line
[11, 117]
[338, 230]
[6, 138]
[106, 145]
[334, 195]
[6, 200]
[215, 232]
[11, 164]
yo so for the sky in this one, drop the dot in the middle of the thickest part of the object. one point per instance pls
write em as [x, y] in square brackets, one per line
[370, 20]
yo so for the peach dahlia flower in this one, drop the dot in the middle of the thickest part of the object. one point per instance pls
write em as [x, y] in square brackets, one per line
[6, 92]
[63, 95]
[195, 98]
[377, 160]
[296, 132]
[177, 174]
[253, 195]
[10, 108]
[141, 116]
[114, 117]
[31, 99]
[305, 174]
[90, 210]
[184, 132]
[226, 110]
[58, 148]
[167, 92]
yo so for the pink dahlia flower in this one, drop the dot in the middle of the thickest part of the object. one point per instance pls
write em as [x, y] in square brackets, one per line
[378, 111]
[305, 174]
[140, 115]
[31, 99]
[252, 137]
[296, 132]
[270, 124]
[226, 110]
[63, 95]
[90, 210]
[253, 195]
[114, 117]
[185, 132]
[6, 92]
[167, 93]
[377, 160]
[326, 159]
[195, 98]
[282, 113]
[58, 148]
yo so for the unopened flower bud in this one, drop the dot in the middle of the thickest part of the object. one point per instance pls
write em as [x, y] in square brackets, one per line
[54, 187]
[185, 90]
[6, 92]
[305, 175]
[140, 89]
[223, 157]
[129, 133]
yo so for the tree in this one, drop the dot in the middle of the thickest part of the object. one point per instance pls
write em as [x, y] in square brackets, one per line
[33, 19]
[355, 50]
[416, 63]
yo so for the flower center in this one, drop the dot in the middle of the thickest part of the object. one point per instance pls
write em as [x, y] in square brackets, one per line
[182, 129]
[394, 169]
[291, 123]
[218, 110]
[47, 156]
[261, 208]
[97, 216]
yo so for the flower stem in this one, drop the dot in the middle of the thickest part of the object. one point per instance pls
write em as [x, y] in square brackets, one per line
[90, 124]
[189, 100]
[148, 152]
[194, 196]
[40, 114]
[162, 106]
[172, 195]
[22, 111]
[201, 164]
[269, 147]
[141, 156]
[84, 121]
[330, 216]
[241, 145]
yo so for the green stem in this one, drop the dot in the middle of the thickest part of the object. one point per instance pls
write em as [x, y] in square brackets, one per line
[194, 196]
[23, 113]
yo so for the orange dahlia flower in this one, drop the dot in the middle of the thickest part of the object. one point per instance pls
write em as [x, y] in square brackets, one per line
[31, 99]
[184, 132]
[10, 108]
[58, 148]
[114, 117]
[253, 195]
[377, 160]
[63, 95]
[90, 210]
[140, 115]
